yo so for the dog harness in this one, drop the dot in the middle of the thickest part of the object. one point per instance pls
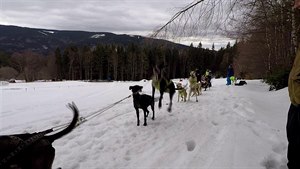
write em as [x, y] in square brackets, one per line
[23, 145]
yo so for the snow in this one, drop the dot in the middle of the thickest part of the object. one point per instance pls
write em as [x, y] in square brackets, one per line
[43, 33]
[3, 83]
[98, 36]
[231, 127]
[44, 46]
[52, 32]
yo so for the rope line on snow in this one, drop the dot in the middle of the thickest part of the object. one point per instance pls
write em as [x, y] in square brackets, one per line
[92, 115]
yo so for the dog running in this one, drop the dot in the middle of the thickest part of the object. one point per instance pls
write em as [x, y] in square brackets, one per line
[163, 84]
[141, 102]
[32, 151]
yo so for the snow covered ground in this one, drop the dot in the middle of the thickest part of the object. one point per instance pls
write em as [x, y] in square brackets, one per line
[231, 127]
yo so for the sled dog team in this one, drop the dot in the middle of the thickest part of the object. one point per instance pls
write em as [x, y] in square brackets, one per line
[163, 84]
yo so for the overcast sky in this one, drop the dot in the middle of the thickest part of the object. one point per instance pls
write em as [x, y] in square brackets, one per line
[138, 17]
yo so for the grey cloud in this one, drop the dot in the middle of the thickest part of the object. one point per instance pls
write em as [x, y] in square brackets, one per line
[117, 16]
[90, 15]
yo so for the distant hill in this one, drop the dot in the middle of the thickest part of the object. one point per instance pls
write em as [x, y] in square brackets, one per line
[14, 39]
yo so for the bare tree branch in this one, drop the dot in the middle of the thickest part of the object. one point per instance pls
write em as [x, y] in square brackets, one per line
[185, 9]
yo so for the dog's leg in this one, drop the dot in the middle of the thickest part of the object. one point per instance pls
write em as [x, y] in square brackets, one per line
[160, 98]
[170, 104]
[190, 92]
[147, 113]
[200, 89]
[163, 87]
[178, 95]
[161, 91]
[137, 116]
[153, 92]
[172, 92]
[145, 116]
[152, 108]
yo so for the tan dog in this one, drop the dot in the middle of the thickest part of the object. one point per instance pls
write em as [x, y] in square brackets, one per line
[181, 92]
[195, 87]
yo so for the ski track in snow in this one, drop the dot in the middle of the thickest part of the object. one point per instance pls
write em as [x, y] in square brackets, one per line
[210, 131]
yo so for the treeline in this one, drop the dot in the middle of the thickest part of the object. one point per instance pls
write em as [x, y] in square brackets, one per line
[268, 38]
[113, 62]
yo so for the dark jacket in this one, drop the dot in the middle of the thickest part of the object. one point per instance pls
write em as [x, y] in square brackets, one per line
[230, 71]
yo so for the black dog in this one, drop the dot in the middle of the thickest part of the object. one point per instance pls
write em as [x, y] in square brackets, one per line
[25, 151]
[163, 84]
[241, 83]
[142, 102]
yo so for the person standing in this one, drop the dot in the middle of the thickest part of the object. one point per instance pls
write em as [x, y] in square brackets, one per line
[230, 72]
[208, 77]
[293, 120]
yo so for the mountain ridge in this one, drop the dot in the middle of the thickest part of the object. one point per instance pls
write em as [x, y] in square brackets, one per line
[16, 39]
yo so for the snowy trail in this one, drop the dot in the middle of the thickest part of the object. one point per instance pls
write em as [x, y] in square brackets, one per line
[228, 125]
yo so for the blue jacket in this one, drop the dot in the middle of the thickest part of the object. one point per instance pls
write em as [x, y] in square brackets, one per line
[230, 72]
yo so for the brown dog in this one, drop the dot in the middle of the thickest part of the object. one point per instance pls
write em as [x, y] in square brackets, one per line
[32, 151]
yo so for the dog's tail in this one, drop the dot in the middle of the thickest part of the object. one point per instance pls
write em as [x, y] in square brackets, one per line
[71, 126]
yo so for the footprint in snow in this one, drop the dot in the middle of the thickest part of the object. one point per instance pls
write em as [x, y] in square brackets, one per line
[127, 156]
[214, 123]
[235, 106]
[190, 145]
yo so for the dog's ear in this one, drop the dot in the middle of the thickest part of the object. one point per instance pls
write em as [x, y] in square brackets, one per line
[130, 87]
